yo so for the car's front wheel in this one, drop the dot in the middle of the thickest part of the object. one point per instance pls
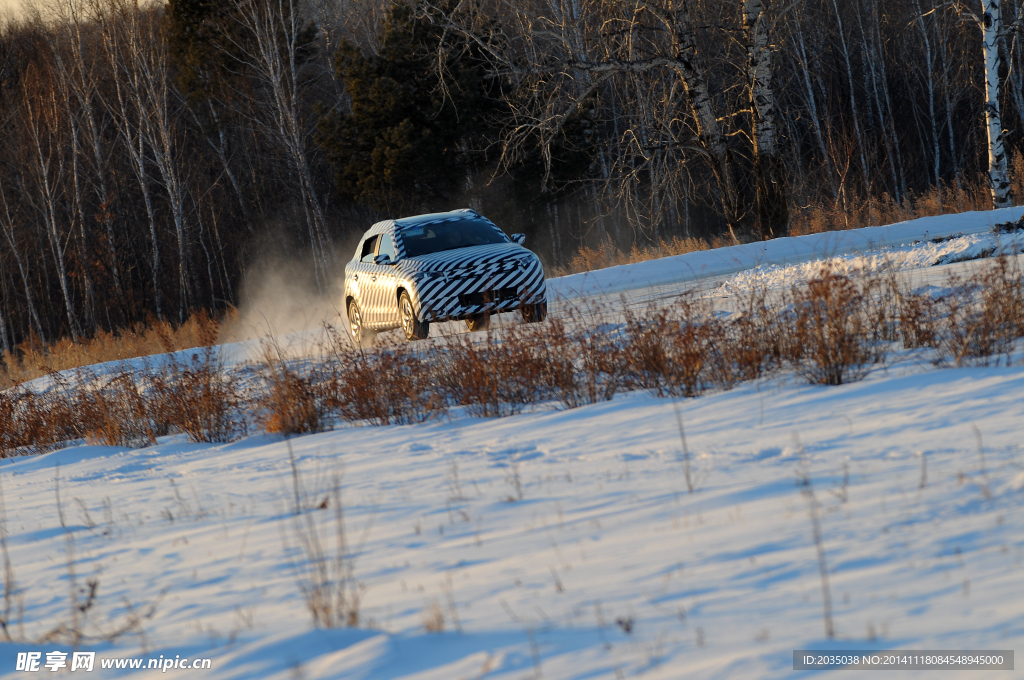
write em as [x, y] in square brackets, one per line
[413, 328]
[534, 313]
[361, 335]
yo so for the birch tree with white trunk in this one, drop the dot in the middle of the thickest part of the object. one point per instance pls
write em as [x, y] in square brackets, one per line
[144, 57]
[48, 172]
[129, 114]
[8, 227]
[709, 129]
[991, 24]
[81, 81]
[999, 179]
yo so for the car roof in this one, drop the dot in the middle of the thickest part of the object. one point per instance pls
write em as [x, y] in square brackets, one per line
[390, 226]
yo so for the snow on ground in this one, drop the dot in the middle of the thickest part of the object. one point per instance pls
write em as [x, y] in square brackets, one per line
[923, 539]
[783, 251]
[899, 258]
[606, 567]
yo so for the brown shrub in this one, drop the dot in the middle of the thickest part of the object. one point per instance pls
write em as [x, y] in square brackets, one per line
[582, 367]
[831, 331]
[198, 398]
[293, 397]
[493, 376]
[292, 403]
[383, 387]
[755, 341]
[676, 351]
[983, 314]
[113, 411]
[917, 320]
[834, 340]
[36, 422]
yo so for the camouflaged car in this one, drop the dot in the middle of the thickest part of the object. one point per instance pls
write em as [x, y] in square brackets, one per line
[409, 272]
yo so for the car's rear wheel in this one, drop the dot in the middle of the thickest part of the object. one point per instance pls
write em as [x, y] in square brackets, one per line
[361, 335]
[479, 322]
[413, 328]
[534, 313]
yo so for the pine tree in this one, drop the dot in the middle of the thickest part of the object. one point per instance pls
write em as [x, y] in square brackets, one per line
[414, 136]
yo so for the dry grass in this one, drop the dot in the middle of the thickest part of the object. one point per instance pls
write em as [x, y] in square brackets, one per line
[433, 617]
[493, 376]
[584, 367]
[33, 359]
[31, 422]
[674, 351]
[325, 574]
[294, 395]
[292, 403]
[855, 212]
[849, 212]
[916, 320]
[607, 254]
[757, 338]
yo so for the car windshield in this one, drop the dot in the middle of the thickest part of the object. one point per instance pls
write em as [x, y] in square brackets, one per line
[432, 238]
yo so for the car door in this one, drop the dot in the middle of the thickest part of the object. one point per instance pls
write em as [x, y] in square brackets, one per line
[363, 279]
[387, 283]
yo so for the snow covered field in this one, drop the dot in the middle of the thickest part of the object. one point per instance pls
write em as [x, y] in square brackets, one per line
[563, 544]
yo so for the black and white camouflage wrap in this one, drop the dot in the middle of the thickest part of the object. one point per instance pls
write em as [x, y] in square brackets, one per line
[443, 286]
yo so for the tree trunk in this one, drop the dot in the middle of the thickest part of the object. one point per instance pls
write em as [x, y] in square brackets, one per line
[8, 227]
[83, 85]
[951, 133]
[49, 174]
[853, 104]
[709, 129]
[812, 106]
[769, 166]
[130, 101]
[999, 180]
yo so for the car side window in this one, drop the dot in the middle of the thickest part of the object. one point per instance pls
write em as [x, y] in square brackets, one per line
[387, 247]
[369, 247]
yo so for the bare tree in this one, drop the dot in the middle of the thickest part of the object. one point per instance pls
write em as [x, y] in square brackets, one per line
[144, 57]
[78, 82]
[270, 46]
[129, 115]
[7, 223]
[48, 173]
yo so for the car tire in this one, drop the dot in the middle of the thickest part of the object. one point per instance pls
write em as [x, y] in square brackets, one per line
[413, 328]
[534, 313]
[479, 322]
[361, 335]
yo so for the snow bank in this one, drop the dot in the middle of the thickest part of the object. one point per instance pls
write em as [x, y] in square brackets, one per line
[783, 251]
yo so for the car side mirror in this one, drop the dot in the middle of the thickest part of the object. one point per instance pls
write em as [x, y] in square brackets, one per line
[519, 238]
[382, 259]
